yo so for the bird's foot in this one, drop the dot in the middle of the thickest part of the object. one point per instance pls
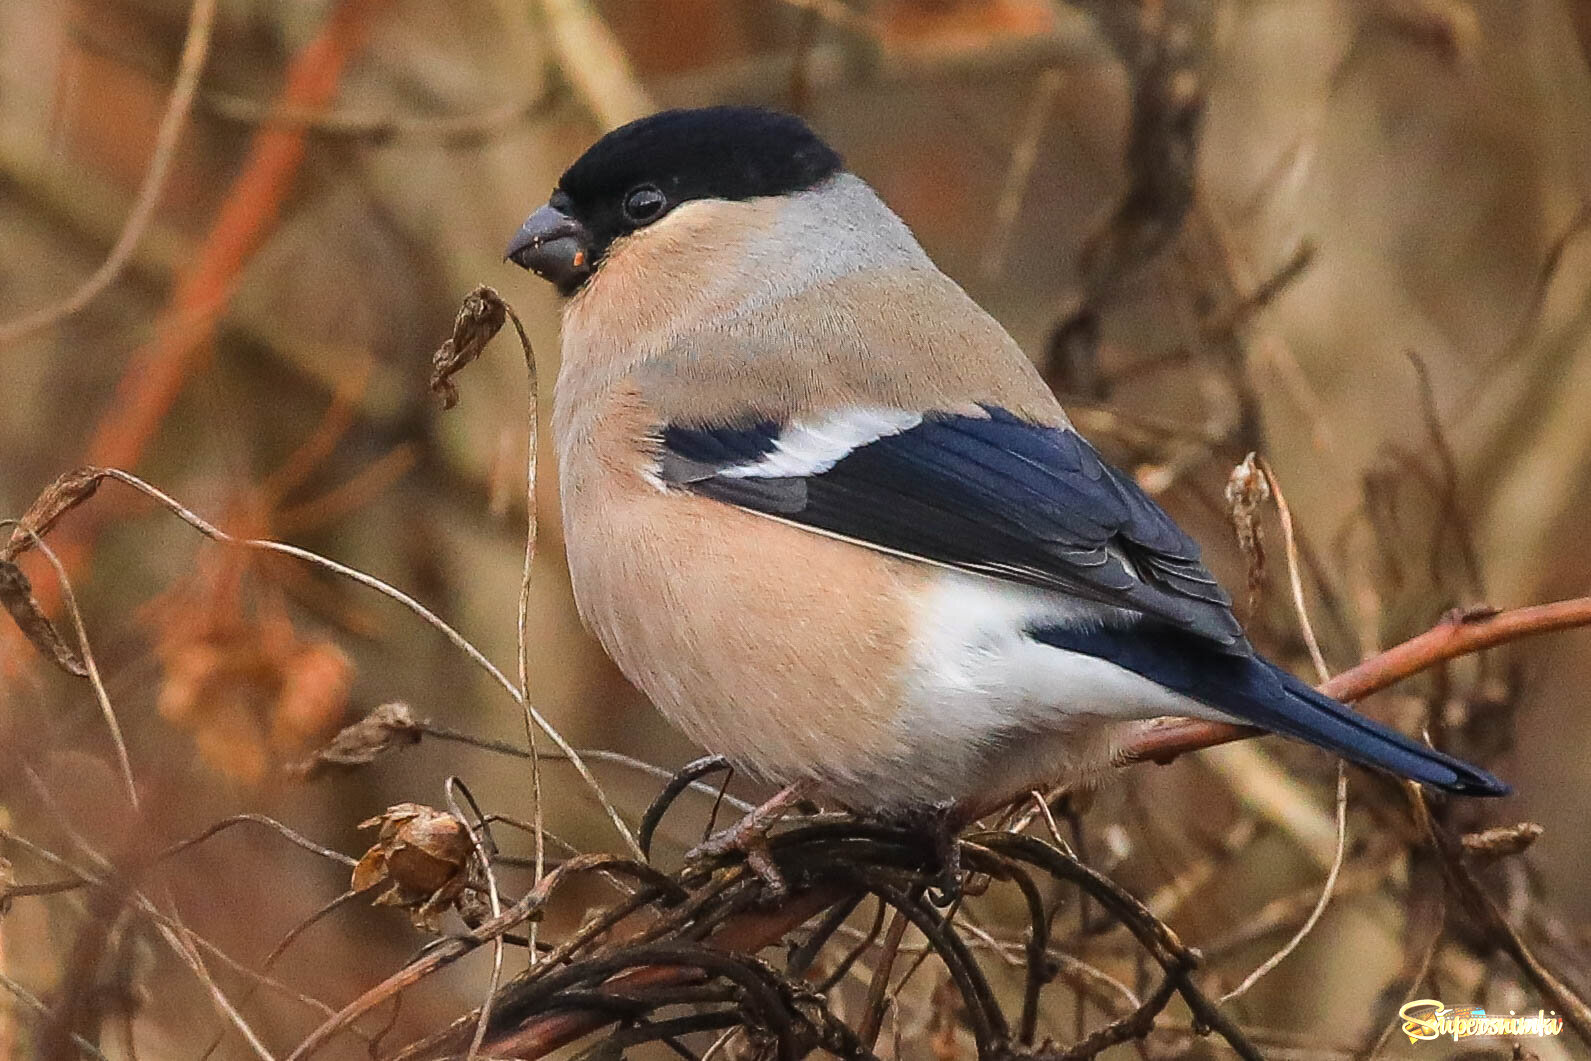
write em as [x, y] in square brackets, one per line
[940, 822]
[749, 837]
[944, 828]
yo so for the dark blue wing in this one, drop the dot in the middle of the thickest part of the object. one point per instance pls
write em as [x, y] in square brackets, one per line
[1020, 501]
[997, 495]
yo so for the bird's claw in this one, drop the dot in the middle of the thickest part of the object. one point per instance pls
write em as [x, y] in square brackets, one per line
[939, 824]
[948, 849]
[749, 839]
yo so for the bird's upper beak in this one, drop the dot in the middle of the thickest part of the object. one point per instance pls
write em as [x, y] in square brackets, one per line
[554, 246]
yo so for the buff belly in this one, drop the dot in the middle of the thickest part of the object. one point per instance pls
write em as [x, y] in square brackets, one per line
[893, 685]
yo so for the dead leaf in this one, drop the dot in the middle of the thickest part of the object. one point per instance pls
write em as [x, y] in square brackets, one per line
[479, 319]
[59, 498]
[386, 729]
[1503, 841]
[16, 593]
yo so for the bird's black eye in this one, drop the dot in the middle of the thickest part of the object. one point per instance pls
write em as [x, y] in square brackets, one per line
[645, 204]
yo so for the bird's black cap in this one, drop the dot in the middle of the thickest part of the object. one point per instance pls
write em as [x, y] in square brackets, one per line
[706, 153]
[639, 172]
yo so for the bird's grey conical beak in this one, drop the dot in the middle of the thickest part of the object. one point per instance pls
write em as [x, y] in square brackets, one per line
[554, 246]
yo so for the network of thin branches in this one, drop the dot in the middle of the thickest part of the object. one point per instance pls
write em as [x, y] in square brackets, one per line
[264, 800]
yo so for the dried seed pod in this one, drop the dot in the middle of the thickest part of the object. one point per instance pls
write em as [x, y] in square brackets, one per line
[1246, 490]
[387, 728]
[423, 855]
[1503, 841]
[479, 319]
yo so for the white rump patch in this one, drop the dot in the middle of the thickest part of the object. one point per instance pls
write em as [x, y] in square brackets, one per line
[804, 449]
[989, 711]
[978, 670]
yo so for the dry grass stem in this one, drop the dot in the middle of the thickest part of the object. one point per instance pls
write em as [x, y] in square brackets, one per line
[195, 48]
[458, 640]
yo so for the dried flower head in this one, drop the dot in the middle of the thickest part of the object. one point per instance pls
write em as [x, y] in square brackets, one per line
[422, 855]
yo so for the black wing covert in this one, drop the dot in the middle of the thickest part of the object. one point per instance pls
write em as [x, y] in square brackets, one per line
[997, 495]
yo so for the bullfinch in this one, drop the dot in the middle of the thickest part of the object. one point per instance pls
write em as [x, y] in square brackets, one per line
[826, 514]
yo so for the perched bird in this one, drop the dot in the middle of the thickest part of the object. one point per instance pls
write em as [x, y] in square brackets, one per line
[824, 512]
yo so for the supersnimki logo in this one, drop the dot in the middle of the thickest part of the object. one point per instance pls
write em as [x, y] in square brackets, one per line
[1426, 1018]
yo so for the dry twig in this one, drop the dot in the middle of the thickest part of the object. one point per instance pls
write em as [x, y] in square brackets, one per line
[72, 498]
[195, 48]
[158, 371]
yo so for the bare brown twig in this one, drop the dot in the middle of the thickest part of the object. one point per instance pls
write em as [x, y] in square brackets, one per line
[1165, 48]
[1503, 935]
[64, 500]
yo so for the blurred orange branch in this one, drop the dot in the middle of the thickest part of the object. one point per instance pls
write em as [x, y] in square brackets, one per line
[159, 369]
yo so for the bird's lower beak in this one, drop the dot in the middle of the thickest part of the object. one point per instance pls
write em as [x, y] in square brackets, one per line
[554, 246]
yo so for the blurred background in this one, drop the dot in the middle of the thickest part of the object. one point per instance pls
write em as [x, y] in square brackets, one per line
[1350, 235]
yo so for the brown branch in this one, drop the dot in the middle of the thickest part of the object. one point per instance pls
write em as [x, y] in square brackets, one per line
[1460, 634]
[451, 130]
[1238, 314]
[746, 934]
[1166, 50]
[468, 129]
[877, 1003]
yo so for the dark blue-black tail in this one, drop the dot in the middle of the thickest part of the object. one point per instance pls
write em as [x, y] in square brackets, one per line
[1259, 693]
[1313, 716]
